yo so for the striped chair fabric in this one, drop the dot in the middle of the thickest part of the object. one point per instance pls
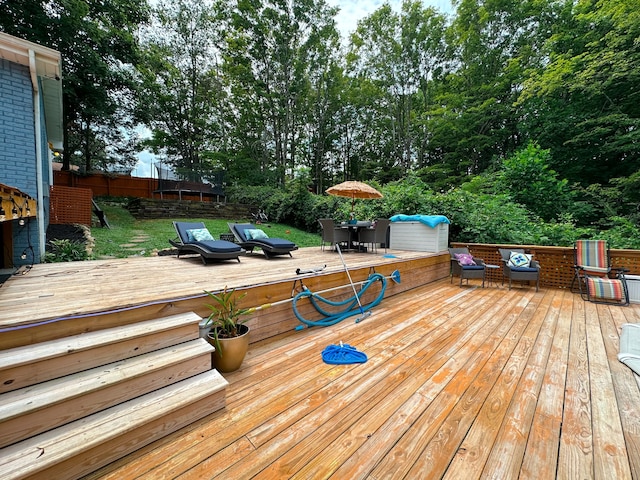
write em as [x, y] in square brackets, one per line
[592, 256]
[605, 288]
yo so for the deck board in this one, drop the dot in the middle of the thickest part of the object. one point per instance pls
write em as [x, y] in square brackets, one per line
[576, 442]
[505, 457]
[460, 383]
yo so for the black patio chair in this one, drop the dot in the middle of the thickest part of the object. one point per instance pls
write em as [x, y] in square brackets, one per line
[519, 266]
[376, 235]
[250, 237]
[332, 235]
[194, 239]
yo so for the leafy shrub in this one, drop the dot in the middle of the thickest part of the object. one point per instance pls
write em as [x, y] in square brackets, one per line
[527, 178]
[64, 250]
[623, 234]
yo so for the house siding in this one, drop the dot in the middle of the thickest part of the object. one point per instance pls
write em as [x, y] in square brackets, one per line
[18, 151]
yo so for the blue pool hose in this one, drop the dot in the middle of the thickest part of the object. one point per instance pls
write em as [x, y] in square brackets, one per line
[351, 305]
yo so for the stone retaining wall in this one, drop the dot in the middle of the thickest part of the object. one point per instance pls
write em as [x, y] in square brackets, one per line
[147, 208]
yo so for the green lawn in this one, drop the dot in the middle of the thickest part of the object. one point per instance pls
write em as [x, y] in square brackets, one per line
[128, 236]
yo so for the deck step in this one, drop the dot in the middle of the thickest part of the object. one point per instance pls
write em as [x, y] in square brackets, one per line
[35, 409]
[83, 446]
[24, 366]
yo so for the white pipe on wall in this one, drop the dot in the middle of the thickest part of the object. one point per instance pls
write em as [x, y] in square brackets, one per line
[38, 132]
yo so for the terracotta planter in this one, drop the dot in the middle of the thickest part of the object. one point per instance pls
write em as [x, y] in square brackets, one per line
[232, 351]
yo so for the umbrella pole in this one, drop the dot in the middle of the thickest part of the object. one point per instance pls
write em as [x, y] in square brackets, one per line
[363, 314]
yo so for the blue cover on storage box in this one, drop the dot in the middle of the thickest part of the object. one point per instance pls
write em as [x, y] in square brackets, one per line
[429, 220]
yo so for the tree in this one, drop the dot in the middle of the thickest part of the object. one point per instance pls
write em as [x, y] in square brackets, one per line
[183, 96]
[492, 43]
[529, 181]
[322, 137]
[584, 101]
[99, 48]
[395, 57]
[270, 49]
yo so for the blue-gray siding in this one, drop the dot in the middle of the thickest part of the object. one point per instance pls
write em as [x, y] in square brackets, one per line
[18, 151]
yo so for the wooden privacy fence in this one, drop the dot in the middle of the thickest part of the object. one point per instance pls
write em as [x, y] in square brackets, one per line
[108, 185]
[69, 205]
[114, 185]
[556, 262]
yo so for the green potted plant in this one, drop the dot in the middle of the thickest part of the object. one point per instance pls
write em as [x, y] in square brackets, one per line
[227, 332]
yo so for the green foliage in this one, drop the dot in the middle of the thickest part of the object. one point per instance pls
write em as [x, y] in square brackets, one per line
[476, 215]
[295, 205]
[226, 314]
[440, 177]
[560, 232]
[628, 196]
[98, 42]
[622, 234]
[578, 100]
[528, 180]
[595, 205]
[408, 196]
[487, 219]
[65, 250]
[124, 227]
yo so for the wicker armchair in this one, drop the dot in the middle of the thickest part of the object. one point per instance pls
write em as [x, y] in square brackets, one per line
[529, 272]
[375, 235]
[466, 271]
[332, 235]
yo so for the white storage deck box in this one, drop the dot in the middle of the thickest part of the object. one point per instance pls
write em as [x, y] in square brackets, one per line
[633, 284]
[418, 237]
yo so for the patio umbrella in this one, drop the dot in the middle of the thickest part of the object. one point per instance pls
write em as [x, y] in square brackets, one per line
[353, 190]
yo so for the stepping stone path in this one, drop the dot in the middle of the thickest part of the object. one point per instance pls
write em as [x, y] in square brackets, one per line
[140, 237]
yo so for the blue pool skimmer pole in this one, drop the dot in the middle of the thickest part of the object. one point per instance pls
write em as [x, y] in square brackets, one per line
[363, 314]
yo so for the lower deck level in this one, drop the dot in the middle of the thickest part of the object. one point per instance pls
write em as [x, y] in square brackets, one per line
[460, 382]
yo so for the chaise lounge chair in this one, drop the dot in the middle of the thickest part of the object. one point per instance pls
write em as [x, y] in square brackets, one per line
[250, 237]
[195, 239]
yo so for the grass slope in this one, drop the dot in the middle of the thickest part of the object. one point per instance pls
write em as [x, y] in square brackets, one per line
[128, 236]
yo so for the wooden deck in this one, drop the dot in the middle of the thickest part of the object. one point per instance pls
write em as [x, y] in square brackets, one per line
[460, 383]
[59, 290]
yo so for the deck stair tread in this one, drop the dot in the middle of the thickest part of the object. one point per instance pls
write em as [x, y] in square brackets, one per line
[84, 445]
[23, 366]
[34, 409]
